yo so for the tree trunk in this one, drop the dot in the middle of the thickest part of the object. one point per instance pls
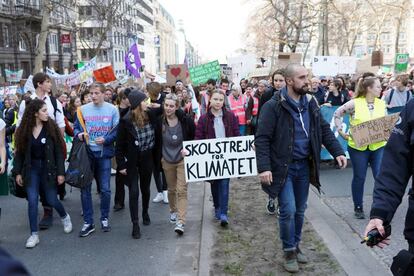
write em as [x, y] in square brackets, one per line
[44, 31]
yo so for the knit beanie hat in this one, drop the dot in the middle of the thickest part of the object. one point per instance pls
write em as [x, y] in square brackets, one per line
[135, 98]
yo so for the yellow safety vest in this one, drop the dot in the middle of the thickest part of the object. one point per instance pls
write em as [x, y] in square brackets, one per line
[362, 114]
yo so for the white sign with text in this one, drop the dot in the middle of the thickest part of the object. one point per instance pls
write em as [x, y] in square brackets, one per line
[219, 158]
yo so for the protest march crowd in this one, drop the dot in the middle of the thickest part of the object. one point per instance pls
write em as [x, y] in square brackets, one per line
[138, 130]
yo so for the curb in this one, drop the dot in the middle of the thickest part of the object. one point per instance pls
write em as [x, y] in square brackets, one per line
[342, 241]
[207, 236]
[188, 247]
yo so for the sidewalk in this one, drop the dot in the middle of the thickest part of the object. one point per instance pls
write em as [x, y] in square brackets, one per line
[342, 240]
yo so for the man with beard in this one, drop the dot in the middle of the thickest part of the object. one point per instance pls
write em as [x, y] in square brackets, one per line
[288, 143]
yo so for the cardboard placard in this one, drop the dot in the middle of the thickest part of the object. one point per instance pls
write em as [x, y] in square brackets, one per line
[374, 131]
[105, 74]
[219, 158]
[204, 72]
[176, 72]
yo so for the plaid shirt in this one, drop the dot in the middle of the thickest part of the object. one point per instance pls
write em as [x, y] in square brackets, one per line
[146, 137]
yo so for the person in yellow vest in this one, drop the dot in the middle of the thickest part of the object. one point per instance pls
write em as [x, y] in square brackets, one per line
[237, 103]
[363, 107]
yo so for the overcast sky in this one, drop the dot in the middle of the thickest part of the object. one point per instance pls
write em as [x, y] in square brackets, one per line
[214, 27]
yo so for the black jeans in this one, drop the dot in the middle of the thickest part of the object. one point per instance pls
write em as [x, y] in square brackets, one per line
[159, 178]
[142, 174]
[120, 181]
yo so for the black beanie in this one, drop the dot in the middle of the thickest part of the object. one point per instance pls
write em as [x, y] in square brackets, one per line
[135, 98]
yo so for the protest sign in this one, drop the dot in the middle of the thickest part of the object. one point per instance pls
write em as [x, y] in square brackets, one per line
[13, 76]
[401, 62]
[219, 158]
[202, 73]
[373, 131]
[333, 65]
[84, 74]
[7, 90]
[327, 113]
[105, 74]
[176, 72]
[227, 72]
[28, 86]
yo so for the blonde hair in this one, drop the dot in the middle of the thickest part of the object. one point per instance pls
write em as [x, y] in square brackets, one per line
[367, 80]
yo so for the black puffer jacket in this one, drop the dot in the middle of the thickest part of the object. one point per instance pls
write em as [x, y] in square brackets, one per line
[275, 141]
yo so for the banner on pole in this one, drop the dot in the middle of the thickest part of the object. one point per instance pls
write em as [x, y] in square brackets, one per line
[219, 158]
[204, 72]
[401, 62]
[105, 74]
[13, 76]
[133, 61]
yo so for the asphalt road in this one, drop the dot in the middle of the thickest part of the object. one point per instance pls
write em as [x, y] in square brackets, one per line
[113, 253]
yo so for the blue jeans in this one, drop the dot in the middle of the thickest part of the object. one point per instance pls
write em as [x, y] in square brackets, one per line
[102, 173]
[38, 180]
[360, 161]
[242, 129]
[292, 204]
[220, 192]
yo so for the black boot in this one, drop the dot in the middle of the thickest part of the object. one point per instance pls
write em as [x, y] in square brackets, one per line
[47, 219]
[136, 232]
[145, 218]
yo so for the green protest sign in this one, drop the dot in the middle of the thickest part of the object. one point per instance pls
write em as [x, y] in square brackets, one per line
[401, 62]
[204, 72]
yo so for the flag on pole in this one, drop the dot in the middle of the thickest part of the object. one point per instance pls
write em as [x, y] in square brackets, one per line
[133, 61]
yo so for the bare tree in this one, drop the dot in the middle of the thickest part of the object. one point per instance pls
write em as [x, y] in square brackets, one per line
[47, 7]
[280, 25]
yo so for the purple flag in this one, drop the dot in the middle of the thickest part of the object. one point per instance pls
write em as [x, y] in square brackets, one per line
[133, 61]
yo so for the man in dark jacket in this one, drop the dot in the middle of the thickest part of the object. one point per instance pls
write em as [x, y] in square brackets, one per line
[396, 169]
[288, 144]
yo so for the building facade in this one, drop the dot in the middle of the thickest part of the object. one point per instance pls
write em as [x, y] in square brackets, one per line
[20, 23]
[131, 21]
[166, 40]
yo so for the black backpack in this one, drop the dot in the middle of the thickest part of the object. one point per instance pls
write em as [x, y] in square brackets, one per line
[79, 173]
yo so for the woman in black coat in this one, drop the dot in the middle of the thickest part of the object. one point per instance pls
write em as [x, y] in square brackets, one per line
[138, 135]
[39, 163]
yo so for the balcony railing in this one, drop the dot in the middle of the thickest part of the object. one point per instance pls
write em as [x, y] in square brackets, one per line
[20, 10]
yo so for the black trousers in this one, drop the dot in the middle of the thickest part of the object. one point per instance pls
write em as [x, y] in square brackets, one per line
[120, 181]
[140, 174]
[159, 178]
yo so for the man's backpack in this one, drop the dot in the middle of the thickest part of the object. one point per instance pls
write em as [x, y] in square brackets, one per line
[392, 94]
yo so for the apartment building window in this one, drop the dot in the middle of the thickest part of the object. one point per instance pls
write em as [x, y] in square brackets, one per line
[53, 43]
[385, 36]
[371, 36]
[22, 44]
[402, 36]
[370, 49]
[6, 35]
[88, 10]
[358, 36]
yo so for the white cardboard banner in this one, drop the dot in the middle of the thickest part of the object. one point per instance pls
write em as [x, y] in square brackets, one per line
[333, 65]
[219, 158]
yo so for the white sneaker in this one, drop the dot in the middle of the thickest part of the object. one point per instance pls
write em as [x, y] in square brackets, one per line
[179, 228]
[67, 224]
[32, 241]
[173, 217]
[158, 198]
[165, 196]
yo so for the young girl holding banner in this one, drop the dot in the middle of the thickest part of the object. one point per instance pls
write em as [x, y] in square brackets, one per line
[176, 128]
[218, 123]
[364, 107]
